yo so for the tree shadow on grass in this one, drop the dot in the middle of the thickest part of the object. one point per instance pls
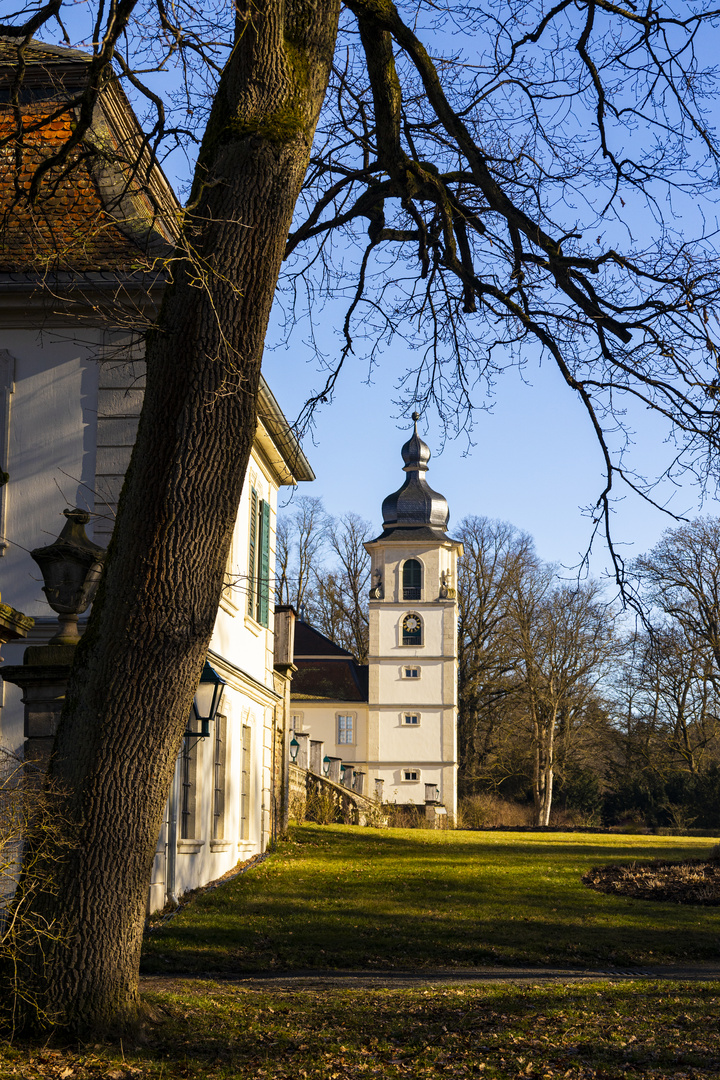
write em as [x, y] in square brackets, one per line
[509, 1029]
[351, 938]
[471, 906]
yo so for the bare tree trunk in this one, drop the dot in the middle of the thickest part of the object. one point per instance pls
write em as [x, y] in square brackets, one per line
[546, 775]
[542, 769]
[139, 662]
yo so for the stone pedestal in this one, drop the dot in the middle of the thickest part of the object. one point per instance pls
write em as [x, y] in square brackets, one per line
[333, 767]
[303, 757]
[42, 677]
[436, 816]
[13, 624]
[317, 753]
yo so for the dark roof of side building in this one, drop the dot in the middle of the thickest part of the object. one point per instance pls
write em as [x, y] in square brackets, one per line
[325, 671]
[309, 642]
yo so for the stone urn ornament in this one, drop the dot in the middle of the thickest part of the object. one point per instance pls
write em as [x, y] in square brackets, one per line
[71, 567]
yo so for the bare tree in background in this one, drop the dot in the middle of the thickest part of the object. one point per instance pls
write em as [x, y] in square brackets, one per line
[491, 195]
[496, 559]
[300, 540]
[341, 604]
[677, 699]
[674, 665]
[533, 658]
[564, 641]
[326, 572]
[681, 577]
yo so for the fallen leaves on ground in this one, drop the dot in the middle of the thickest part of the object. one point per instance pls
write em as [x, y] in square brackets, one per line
[695, 881]
[211, 1031]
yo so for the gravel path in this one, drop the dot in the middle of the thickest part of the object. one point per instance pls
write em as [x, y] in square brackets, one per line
[397, 980]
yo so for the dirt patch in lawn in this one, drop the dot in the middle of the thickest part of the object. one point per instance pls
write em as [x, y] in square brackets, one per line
[696, 881]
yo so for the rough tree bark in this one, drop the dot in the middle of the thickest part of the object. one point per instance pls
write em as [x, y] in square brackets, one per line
[120, 733]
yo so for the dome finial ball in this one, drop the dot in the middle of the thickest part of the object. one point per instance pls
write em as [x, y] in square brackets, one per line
[416, 416]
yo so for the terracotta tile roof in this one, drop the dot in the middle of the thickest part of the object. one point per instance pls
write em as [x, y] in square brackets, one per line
[88, 217]
[68, 228]
[38, 52]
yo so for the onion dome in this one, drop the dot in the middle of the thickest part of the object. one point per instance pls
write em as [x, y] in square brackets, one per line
[415, 505]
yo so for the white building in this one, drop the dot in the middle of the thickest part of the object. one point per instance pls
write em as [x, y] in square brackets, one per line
[75, 275]
[394, 721]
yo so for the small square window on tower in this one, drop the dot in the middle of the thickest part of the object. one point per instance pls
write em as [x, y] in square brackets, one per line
[411, 673]
[411, 719]
[411, 775]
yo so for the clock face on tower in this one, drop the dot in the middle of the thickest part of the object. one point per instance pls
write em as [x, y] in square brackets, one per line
[412, 630]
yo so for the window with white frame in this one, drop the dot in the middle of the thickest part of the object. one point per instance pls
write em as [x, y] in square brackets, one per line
[229, 599]
[346, 728]
[411, 719]
[411, 673]
[7, 386]
[410, 775]
[297, 721]
[245, 779]
[188, 788]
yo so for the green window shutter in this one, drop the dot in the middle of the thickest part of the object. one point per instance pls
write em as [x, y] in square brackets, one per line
[252, 553]
[264, 582]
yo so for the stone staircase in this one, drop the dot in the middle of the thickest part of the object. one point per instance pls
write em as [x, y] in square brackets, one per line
[321, 799]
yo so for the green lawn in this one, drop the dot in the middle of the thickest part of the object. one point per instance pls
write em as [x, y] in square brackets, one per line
[216, 1032]
[337, 896]
[344, 897]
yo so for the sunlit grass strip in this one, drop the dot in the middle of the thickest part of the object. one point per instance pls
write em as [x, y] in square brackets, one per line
[344, 897]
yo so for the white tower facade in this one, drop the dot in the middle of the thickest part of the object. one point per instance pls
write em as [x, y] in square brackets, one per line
[412, 689]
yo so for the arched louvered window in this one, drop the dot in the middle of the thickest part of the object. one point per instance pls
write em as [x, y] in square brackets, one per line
[412, 580]
[412, 629]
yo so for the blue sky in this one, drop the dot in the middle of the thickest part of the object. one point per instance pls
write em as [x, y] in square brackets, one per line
[533, 460]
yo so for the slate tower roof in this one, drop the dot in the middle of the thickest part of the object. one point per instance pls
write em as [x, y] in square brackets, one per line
[415, 511]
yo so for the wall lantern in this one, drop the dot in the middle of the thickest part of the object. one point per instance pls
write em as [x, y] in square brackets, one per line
[294, 749]
[206, 701]
[326, 766]
[342, 774]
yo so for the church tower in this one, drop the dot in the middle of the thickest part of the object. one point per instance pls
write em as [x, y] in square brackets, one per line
[412, 692]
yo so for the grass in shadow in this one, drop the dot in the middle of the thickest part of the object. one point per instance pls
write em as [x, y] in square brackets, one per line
[218, 1032]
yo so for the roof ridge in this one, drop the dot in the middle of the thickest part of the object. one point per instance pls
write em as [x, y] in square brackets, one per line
[345, 652]
[35, 45]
